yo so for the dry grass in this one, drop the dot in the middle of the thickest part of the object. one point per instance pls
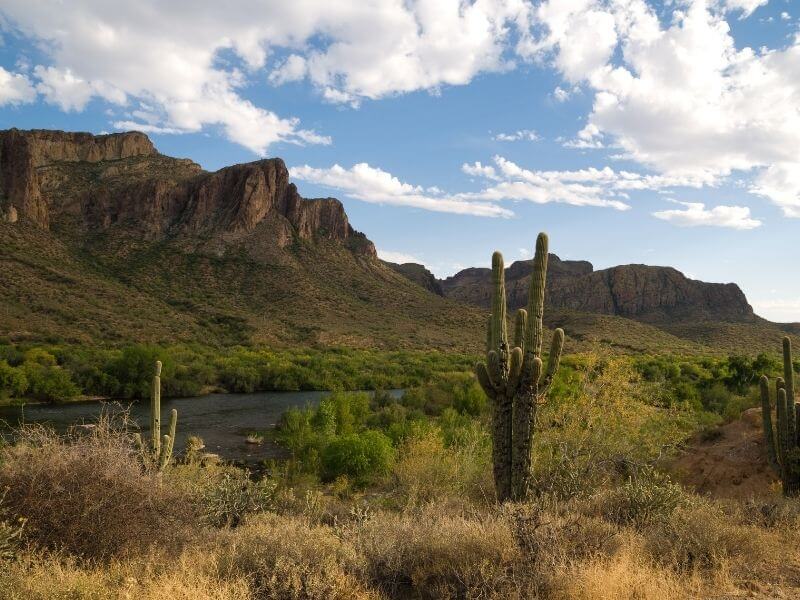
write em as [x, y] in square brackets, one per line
[87, 494]
[192, 576]
[434, 554]
[286, 557]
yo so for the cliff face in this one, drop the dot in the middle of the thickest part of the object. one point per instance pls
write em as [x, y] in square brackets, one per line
[645, 293]
[23, 152]
[120, 180]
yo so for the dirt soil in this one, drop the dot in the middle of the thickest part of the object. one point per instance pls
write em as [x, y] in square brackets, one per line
[732, 464]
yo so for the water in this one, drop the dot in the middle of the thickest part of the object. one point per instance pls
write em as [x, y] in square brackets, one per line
[222, 420]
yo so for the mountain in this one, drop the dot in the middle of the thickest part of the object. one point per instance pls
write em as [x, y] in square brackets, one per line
[103, 240]
[659, 295]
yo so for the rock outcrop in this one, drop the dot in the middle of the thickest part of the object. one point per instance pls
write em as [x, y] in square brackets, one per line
[120, 180]
[419, 275]
[641, 292]
[23, 152]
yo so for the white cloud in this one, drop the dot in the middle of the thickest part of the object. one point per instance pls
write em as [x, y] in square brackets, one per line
[398, 257]
[193, 62]
[164, 55]
[681, 98]
[785, 16]
[695, 214]
[583, 187]
[746, 6]
[15, 88]
[371, 184]
[560, 94]
[521, 134]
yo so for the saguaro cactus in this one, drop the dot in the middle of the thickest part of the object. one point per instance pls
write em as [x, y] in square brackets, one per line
[514, 378]
[160, 452]
[783, 446]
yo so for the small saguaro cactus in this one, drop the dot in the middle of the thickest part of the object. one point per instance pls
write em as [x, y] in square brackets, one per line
[783, 446]
[160, 451]
[514, 377]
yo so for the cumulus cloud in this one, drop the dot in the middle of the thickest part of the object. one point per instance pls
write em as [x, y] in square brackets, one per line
[165, 56]
[370, 184]
[194, 63]
[528, 135]
[15, 88]
[695, 214]
[681, 98]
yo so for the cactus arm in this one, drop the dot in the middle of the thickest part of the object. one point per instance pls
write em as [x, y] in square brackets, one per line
[155, 410]
[520, 324]
[780, 410]
[553, 360]
[533, 337]
[499, 326]
[485, 380]
[514, 369]
[766, 418]
[788, 378]
[164, 458]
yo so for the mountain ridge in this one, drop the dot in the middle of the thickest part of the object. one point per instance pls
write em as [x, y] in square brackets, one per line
[105, 239]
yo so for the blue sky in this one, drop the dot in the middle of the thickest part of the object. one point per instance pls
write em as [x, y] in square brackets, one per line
[632, 131]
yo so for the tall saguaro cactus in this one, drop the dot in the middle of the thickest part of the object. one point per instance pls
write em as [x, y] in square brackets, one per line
[160, 447]
[783, 445]
[514, 377]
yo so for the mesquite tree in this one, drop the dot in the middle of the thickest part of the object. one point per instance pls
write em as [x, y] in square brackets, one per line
[514, 377]
[783, 449]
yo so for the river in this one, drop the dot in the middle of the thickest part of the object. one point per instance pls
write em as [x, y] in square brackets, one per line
[222, 420]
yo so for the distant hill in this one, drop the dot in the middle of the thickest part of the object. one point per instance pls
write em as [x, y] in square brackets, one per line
[105, 240]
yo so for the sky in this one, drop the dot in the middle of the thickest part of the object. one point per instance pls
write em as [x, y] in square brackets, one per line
[663, 132]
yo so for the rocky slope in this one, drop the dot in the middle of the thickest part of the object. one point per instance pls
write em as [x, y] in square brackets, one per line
[645, 293]
[419, 275]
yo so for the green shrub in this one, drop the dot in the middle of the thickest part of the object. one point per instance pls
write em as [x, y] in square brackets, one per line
[647, 498]
[359, 456]
[227, 500]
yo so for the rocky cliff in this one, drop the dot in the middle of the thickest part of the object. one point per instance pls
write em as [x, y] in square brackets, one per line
[419, 275]
[646, 293]
[121, 181]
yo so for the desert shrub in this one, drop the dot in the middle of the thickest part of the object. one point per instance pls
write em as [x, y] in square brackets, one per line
[778, 513]
[359, 456]
[48, 382]
[229, 498]
[87, 494]
[700, 535]
[647, 498]
[427, 470]
[605, 426]
[13, 381]
[437, 554]
[287, 558]
[551, 533]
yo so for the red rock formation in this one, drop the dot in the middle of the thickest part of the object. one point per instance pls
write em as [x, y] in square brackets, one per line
[43, 179]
